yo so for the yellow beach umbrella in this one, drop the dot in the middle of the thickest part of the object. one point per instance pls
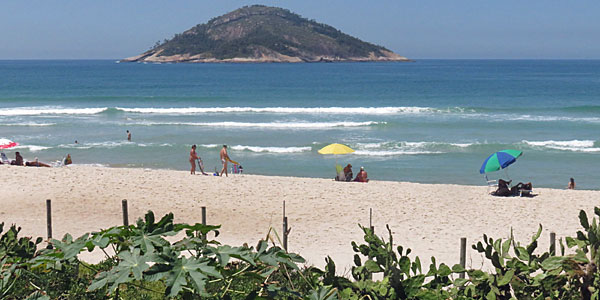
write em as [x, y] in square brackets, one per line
[335, 149]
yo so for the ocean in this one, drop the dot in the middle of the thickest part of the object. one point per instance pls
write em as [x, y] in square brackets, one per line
[429, 121]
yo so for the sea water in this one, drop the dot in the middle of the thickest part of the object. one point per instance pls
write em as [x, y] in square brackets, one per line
[429, 121]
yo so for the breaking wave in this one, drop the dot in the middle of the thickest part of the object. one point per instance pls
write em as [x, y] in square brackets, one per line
[287, 110]
[573, 145]
[32, 148]
[307, 125]
[28, 124]
[259, 149]
[41, 110]
[394, 153]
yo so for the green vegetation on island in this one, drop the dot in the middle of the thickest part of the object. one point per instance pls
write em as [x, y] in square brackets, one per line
[264, 34]
[141, 263]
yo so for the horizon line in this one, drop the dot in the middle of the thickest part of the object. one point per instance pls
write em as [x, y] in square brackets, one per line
[414, 58]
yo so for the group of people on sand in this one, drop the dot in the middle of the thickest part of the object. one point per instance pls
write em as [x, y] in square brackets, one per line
[521, 189]
[19, 161]
[347, 175]
[223, 155]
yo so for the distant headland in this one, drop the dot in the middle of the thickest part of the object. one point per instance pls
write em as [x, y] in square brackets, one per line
[263, 34]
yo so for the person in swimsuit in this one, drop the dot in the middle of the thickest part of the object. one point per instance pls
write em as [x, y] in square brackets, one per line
[571, 185]
[128, 135]
[68, 160]
[224, 158]
[193, 158]
[348, 172]
[18, 161]
[36, 163]
[361, 176]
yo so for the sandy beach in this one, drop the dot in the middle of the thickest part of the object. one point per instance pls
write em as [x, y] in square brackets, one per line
[323, 214]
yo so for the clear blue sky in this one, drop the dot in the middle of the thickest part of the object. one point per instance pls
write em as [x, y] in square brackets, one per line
[81, 29]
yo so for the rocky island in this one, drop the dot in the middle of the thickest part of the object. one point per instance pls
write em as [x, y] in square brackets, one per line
[263, 34]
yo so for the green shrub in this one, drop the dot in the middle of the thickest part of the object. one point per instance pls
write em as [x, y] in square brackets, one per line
[142, 264]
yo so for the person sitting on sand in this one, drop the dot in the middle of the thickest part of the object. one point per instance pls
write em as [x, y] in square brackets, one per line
[68, 160]
[522, 189]
[193, 158]
[571, 185]
[503, 189]
[36, 163]
[18, 161]
[348, 172]
[361, 176]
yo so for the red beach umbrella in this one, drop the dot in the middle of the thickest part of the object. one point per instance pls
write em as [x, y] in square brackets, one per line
[5, 144]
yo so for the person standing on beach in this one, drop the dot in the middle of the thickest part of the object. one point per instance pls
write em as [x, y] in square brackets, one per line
[193, 158]
[571, 185]
[128, 135]
[224, 158]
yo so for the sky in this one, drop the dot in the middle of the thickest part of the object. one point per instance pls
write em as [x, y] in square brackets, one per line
[461, 29]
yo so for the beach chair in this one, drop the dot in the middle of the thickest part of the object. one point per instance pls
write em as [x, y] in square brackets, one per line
[492, 184]
[526, 190]
[4, 158]
[340, 173]
[237, 169]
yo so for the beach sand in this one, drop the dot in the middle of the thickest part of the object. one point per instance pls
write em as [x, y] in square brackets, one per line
[323, 214]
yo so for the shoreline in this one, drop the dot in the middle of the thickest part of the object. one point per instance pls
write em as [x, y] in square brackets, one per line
[124, 166]
[323, 214]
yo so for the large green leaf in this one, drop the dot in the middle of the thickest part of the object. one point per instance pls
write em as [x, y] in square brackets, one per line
[372, 266]
[131, 267]
[322, 293]
[225, 252]
[197, 229]
[133, 263]
[69, 248]
[504, 280]
[537, 234]
[444, 270]
[147, 235]
[189, 270]
[583, 219]
[552, 262]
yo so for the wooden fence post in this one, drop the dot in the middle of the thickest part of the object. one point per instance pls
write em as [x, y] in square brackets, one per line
[204, 220]
[49, 221]
[285, 233]
[125, 212]
[552, 243]
[463, 255]
[285, 229]
[371, 220]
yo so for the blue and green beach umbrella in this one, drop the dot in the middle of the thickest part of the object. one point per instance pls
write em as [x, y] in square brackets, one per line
[499, 160]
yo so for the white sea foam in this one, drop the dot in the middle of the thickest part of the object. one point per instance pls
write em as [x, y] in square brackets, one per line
[573, 145]
[393, 152]
[109, 145]
[210, 146]
[42, 110]
[28, 124]
[313, 125]
[32, 148]
[260, 149]
[411, 145]
[436, 144]
[285, 110]
[534, 118]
